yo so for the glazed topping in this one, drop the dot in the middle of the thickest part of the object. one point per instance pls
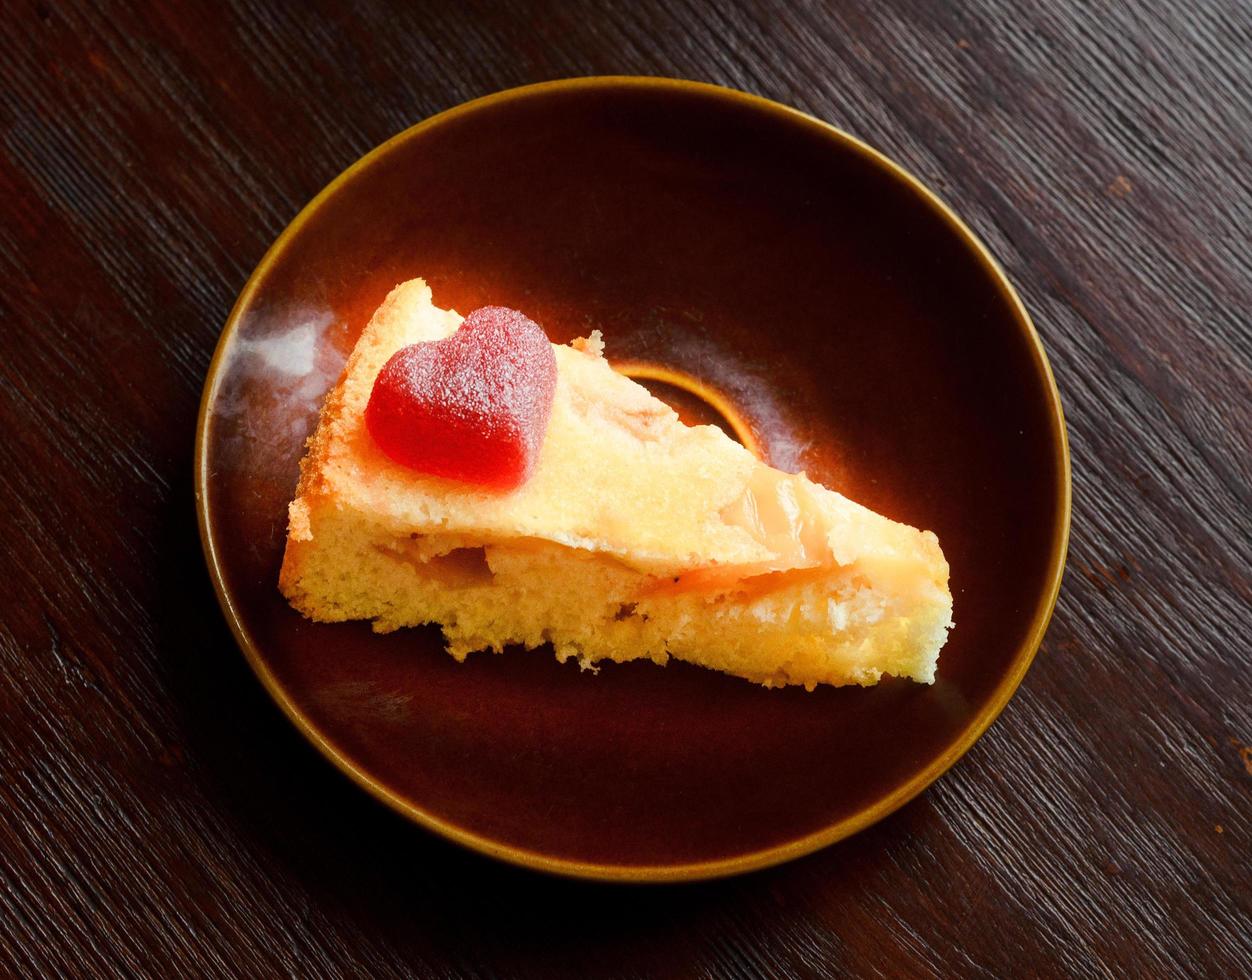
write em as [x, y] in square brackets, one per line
[472, 407]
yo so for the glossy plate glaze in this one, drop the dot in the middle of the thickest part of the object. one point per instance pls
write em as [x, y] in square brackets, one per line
[849, 317]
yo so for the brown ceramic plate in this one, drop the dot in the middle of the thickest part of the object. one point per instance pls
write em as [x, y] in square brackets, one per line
[853, 320]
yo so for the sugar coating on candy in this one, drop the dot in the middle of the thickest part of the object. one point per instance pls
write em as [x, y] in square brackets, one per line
[471, 407]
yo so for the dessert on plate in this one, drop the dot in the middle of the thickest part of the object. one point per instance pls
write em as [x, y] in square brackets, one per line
[471, 474]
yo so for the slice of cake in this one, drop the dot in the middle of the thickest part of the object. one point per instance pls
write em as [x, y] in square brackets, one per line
[625, 535]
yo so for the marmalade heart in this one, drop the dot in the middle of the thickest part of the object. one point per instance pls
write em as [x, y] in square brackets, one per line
[472, 407]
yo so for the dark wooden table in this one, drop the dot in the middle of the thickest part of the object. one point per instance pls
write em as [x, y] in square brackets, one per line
[157, 814]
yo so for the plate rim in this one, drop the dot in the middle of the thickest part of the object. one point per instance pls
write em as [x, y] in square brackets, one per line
[882, 806]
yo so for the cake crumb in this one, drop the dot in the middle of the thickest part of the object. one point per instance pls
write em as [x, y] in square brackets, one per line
[592, 344]
[299, 527]
[1121, 186]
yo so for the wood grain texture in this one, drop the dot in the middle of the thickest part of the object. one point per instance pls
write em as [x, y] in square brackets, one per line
[158, 816]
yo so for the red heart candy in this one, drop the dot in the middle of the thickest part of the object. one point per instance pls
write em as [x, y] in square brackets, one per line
[472, 407]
